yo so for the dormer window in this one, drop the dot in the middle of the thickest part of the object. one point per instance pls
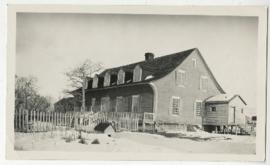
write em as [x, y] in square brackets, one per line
[137, 74]
[128, 77]
[95, 82]
[121, 77]
[113, 79]
[107, 79]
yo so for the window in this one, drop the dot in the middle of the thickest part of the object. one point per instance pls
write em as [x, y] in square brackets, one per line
[194, 62]
[95, 82]
[137, 74]
[197, 107]
[135, 103]
[203, 83]
[181, 78]
[213, 109]
[119, 102]
[93, 102]
[242, 110]
[107, 79]
[176, 105]
[121, 77]
[105, 104]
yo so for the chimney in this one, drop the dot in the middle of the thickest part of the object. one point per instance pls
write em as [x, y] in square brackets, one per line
[149, 56]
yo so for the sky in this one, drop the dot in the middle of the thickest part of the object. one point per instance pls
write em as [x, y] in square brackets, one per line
[48, 45]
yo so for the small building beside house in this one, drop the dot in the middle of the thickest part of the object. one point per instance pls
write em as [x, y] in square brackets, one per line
[173, 88]
[224, 110]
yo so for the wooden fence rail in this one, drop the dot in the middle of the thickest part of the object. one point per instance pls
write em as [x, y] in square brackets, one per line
[39, 121]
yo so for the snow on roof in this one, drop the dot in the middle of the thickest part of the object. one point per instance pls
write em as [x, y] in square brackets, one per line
[223, 98]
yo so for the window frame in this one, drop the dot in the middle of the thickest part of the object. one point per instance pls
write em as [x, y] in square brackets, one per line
[107, 79]
[117, 103]
[194, 62]
[179, 106]
[139, 68]
[211, 109]
[93, 103]
[201, 83]
[195, 108]
[95, 82]
[183, 77]
[106, 98]
[118, 75]
[132, 103]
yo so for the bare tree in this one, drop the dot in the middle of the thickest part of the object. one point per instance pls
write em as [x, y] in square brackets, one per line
[79, 75]
[26, 95]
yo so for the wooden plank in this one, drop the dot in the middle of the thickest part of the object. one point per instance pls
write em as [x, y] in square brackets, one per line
[15, 120]
[20, 119]
[26, 120]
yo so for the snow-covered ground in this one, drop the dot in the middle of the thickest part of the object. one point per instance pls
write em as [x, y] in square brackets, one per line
[184, 142]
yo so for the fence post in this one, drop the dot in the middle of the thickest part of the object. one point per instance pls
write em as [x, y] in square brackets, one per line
[15, 120]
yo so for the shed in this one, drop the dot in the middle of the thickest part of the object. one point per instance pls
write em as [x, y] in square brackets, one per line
[224, 110]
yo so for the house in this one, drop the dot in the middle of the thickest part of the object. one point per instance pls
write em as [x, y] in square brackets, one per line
[68, 104]
[173, 88]
[224, 110]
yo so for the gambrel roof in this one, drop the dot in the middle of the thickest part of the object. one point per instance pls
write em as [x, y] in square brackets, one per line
[156, 68]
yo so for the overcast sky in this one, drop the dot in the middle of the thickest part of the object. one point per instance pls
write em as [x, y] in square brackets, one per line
[50, 44]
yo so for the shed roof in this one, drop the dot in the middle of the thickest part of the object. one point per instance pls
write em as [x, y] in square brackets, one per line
[224, 98]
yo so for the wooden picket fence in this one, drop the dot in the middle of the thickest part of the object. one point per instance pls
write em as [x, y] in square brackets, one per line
[39, 121]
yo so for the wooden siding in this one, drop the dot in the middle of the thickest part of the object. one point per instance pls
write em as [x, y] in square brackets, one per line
[239, 116]
[144, 91]
[219, 117]
[166, 88]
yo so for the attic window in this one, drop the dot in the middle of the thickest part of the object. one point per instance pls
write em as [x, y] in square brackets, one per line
[121, 77]
[180, 78]
[203, 83]
[194, 62]
[137, 74]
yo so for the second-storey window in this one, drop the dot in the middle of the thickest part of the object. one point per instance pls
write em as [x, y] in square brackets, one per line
[176, 105]
[180, 78]
[203, 83]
